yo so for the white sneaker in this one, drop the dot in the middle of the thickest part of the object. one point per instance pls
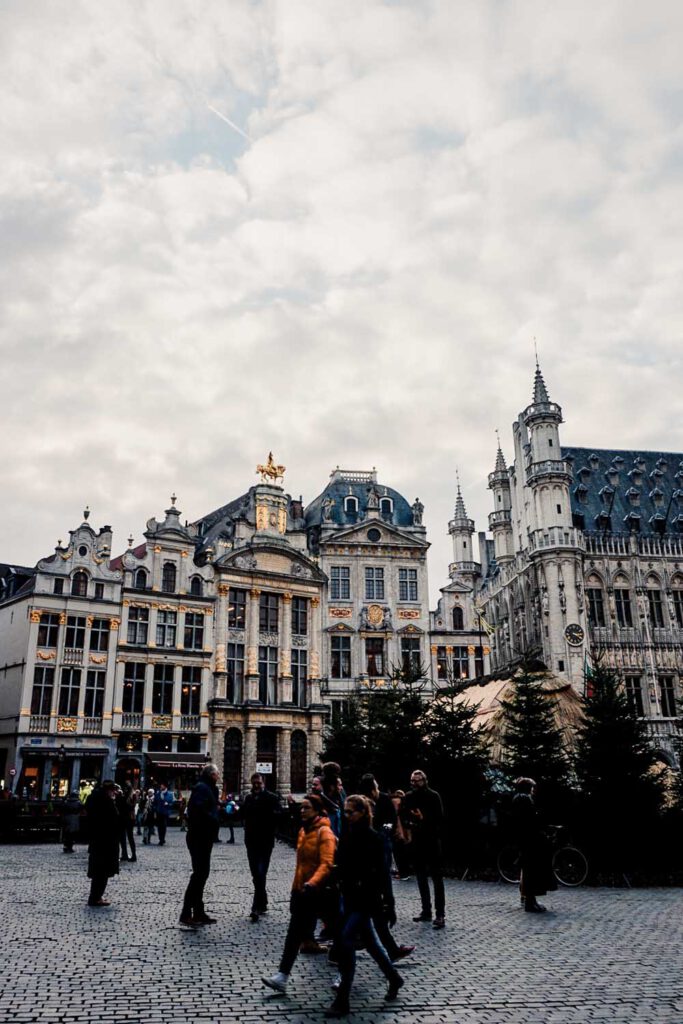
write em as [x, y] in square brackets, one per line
[336, 983]
[278, 982]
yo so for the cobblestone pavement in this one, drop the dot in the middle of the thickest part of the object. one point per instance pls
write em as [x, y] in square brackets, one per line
[597, 955]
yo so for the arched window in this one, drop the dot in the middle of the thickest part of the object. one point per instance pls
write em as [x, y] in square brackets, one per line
[677, 595]
[596, 601]
[140, 580]
[458, 618]
[655, 604]
[232, 761]
[351, 505]
[386, 507]
[622, 602]
[298, 761]
[79, 584]
[168, 578]
[196, 586]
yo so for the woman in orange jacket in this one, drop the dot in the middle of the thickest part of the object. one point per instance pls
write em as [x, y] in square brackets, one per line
[315, 851]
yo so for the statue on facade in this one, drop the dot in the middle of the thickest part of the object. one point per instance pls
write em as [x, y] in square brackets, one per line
[270, 471]
[418, 508]
[373, 500]
[327, 506]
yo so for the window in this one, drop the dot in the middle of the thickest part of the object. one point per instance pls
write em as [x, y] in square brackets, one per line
[351, 506]
[138, 624]
[299, 675]
[162, 690]
[596, 606]
[622, 603]
[634, 695]
[267, 674]
[75, 632]
[299, 616]
[410, 655]
[191, 691]
[140, 580]
[69, 691]
[340, 657]
[386, 507]
[99, 591]
[340, 583]
[48, 629]
[374, 535]
[667, 696]
[58, 587]
[407, 584]
[193, 639]
[268, 613]
[235, 672]
[298, 762]
[196, 586]
[374, 656]
[374, 583]
[99, 635]
[461, 663]
[189, 744]
[441, 663]
[168, 578]
[94, 693]
[43, 685]
[237, 603]
[654, 599]
[160, 742]
[458, 618]
[678, 607]
[79, 584]
[166, 629]
[133, 687]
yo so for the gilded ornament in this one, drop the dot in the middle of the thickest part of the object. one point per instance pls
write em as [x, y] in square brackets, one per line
[282, 521]
[223, 589]
[157, 549]
[315, 601]
[162, 722]
[408, 613]
[270, 471]
[375, 615]
[67, 725]
[340, 613]
[98, 659]
[62, 619]
[46, 655]
[114, 624]
[35, 616]
[287, 597]
[261, 517]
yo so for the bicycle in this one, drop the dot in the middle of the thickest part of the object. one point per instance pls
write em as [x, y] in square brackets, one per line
[569, 864]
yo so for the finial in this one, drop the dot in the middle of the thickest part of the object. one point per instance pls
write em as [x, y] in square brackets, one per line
[86, 512]
[173, 499]
[130, 541]
[498, 436]
[59, 542]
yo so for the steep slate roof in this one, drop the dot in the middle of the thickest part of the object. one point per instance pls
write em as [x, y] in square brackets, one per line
[629, 487]
[339, 489]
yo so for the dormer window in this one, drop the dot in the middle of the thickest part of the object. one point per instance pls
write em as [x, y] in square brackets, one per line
[581, 493]
[603, 522]
[635, 476]
[196, 586]
[79, 584]
[168, 578]
[386, 507]
[351, 505]
[633, 495]
[662, 465]
[594, 460]
[657, 496]
[612, 475]
[140, 580]
[632, 522]
[607, 493]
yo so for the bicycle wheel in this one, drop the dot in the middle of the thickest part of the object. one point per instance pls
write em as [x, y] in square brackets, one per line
[509, 864]
[570, 867]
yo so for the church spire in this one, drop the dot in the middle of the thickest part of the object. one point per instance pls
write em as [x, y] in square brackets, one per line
[500, 466]
[460, 510]
[540, 391]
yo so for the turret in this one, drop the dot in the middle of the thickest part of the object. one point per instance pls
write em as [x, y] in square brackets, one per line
[461, 529]
[546, 472]
[500, 520]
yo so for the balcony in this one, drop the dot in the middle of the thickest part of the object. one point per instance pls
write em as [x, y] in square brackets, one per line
[189, 723]
[73, 656]
[131, 720]
[92, 726]
[502, 517]
[39, 723]
[555, 537]
[548, 469]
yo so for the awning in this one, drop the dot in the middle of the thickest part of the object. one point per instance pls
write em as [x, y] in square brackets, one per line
[171, 760]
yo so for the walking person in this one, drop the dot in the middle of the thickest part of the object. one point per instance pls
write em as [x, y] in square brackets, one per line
[365, 884]
[424, 814]
[147, 817]
[260, 812]
[314, 860]
[536, 859]
[125, 804]
[163, 803]
[103, 848]
[202, 829]
[71, 821]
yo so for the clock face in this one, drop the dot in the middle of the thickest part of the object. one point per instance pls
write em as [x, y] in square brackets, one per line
[574, 634]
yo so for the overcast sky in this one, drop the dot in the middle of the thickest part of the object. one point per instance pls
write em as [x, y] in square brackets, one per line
[352, 272]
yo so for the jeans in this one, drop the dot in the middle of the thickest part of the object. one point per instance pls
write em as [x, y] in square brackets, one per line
[358, 925]
[303, 908]
[200, 854]
[259, 862]
[428, 863]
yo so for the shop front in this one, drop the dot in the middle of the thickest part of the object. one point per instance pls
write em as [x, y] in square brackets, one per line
[52, 772]
[178, 771]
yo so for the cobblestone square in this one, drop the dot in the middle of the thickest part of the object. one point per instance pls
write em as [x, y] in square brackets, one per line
[597, 955]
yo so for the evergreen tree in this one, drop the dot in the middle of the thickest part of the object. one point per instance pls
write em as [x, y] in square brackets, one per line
[395, 735]
[346, 740]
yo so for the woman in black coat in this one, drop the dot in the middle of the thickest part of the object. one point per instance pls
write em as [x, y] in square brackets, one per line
[103, 849]
[365, 885]
[537, 874]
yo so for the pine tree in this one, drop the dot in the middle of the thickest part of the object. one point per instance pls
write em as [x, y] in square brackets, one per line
[395, 736]
[346, 740]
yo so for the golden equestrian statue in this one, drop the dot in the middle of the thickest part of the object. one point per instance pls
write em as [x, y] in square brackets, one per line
[271, 472]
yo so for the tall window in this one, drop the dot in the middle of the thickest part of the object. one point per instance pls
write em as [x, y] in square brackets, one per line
[268, 613]
[235, 673]
[667, 696]
[69, 691]
[458, 618]
[634, 695]
[267, 674]
[374, 583]
[94, 693]
[58, 586]
[43, 685]
[79, 584]
[299, 674]
[386, 508]
[99, 635]
[410, 655]
[407, 584]
[138, 625]
[299, 616]
[140, 580]
[196, 587]
[622, 603]
[374, 656]
[169, 575]
[340, 657]
[678, 606]
[166, 628]
[193, 639]
[461, 663]
[237, 603]
[162, 690]
[654, 600]
[340, 583]
[596, 606]
[191, 691]
[133, 687]
[75, 632]
[48, 630]
[441, 663]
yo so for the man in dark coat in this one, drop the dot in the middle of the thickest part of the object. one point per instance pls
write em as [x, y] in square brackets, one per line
[202, 829]
[103, 849]
[424, 817]
[260, 812]
[535, 853]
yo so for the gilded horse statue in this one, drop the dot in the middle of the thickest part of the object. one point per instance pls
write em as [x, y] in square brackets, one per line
[270, 471]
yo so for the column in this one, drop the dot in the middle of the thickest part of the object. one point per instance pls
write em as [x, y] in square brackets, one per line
[314, 652]
[251, 670]
[220, 642]
[284, 759]
[285, 642]
[248, 754]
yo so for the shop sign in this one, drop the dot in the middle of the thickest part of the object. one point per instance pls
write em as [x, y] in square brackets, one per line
[264, 767]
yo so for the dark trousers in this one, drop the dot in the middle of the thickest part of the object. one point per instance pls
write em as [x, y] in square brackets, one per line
[200, 854]
[303, 908]
[162, 825]
[258, 855]
[127, 833]
[427, 863]
[98, 883]
[358, 925]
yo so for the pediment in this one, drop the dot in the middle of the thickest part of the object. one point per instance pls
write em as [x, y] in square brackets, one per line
[389, 535]
[457, 588]
[264, 558]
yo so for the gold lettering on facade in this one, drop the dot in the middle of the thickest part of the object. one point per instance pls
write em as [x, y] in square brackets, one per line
[340, 613]
[408, 613]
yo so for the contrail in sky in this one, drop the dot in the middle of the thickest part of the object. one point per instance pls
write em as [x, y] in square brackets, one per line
[228, 121]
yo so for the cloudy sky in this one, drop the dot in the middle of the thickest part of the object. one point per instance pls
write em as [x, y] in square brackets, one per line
[333, 230]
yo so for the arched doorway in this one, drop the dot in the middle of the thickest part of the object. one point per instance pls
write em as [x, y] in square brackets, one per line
[232, 761]
[266, 754]
[299, 773]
